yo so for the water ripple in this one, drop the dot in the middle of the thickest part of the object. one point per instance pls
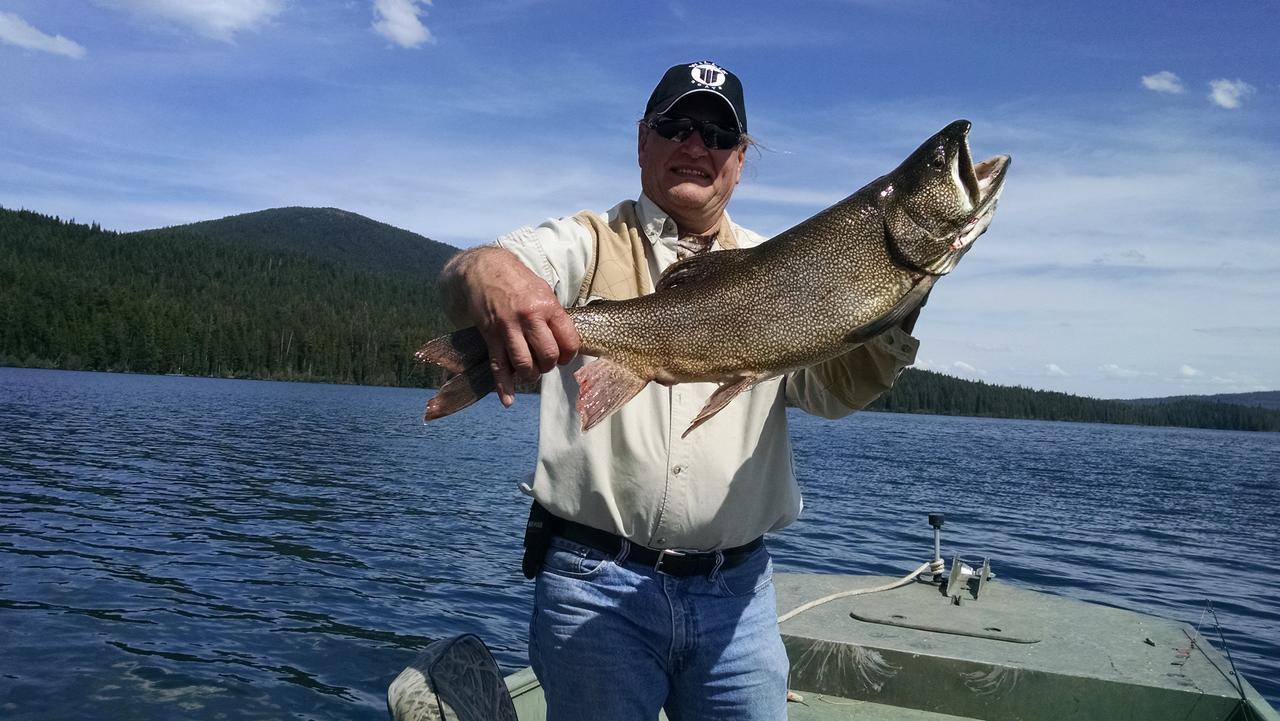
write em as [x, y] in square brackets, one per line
[198, 548]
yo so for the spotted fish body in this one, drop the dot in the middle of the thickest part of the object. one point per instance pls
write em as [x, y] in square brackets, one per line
[739, 316]
[718, 315]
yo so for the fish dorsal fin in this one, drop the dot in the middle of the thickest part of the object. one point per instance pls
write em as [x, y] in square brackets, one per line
[894, 316]
[696, 267]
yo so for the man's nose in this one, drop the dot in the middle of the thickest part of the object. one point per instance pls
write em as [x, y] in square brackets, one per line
[693, 144]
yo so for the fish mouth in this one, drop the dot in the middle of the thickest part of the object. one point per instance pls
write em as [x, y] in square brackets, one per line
[988, 178]
[984, 182]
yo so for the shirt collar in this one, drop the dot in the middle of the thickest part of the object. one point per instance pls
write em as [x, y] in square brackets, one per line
[659, 227]
[657, 224]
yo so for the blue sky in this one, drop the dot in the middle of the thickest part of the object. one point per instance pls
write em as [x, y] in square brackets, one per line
[1134, 253]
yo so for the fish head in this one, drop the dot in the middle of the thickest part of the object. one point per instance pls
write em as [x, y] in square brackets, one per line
[937, 202]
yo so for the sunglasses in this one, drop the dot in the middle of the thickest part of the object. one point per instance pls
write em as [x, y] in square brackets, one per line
[677, 129]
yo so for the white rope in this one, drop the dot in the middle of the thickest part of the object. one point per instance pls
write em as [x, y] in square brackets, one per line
[856, 592]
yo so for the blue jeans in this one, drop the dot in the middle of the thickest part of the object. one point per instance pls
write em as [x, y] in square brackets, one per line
[611, 640]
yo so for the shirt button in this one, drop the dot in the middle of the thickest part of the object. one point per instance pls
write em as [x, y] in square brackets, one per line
[659, 541]
[676, 470]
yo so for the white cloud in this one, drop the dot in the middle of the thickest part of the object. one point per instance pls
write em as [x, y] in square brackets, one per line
[955, 368]
[1111, 370]
[1187, 371]
[217, 19]
[1229, 93]
[1163, 82]
[16, 31]
[397, 21]
[1054, 369]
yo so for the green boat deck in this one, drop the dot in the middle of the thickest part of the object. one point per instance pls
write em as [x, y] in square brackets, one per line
[816, 707]
[1008, 654]
[834, 708]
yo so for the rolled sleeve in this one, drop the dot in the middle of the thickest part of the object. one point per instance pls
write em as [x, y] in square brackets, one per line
[849, 382]
[558, 250]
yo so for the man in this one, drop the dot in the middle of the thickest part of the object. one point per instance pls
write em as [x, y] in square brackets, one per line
[655, 591]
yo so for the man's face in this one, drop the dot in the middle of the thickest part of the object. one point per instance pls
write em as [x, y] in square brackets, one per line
[686, 179]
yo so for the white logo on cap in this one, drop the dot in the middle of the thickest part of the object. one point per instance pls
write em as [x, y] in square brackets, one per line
[707, 74]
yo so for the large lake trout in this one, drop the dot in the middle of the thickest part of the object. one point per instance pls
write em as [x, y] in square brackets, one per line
[737, 317]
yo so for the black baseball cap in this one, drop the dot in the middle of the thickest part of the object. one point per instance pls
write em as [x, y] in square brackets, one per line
[704, 76]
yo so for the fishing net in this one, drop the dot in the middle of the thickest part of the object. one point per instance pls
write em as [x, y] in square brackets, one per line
[454, 679]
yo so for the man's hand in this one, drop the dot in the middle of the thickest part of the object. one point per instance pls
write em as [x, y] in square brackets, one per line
[526, 329]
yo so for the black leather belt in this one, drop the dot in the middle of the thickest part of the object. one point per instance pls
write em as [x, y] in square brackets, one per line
[672, 563]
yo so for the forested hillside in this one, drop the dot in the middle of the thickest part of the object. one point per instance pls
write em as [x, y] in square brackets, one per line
[1257, 399]
[181, 301]
[919, 391]
[325, 234]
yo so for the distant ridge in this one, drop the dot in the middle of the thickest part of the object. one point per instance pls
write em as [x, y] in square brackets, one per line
[327, 234]
[921, 391]
[1257, 399]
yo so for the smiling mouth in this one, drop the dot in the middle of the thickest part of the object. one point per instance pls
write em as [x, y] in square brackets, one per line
[691, 173]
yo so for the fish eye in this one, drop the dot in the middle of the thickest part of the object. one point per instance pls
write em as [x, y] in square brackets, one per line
[939, 159]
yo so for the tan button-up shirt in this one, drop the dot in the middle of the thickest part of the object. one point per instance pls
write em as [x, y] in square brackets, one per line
[731, 479]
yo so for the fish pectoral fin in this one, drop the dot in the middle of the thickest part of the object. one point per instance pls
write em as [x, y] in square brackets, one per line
[604, 386]
[909, 302]
[718, 400]
[455, 352]
[461, 390]
[696, 267]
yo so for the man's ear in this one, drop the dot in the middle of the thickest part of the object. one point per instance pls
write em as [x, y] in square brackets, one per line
[641, 138]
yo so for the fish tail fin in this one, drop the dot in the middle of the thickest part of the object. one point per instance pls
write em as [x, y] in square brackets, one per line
[456, 352]
[604, 386]
[461, 391]
[720, 399]
[464, 354]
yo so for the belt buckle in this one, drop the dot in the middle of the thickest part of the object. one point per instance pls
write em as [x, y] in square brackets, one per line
[657, 565]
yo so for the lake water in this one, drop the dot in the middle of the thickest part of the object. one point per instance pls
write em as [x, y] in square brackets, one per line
[176, 548]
